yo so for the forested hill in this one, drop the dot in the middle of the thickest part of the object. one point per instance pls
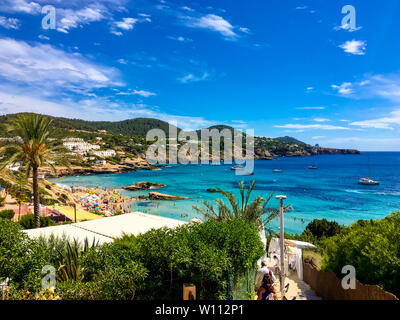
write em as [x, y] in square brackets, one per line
[131, 127]
[119, 131]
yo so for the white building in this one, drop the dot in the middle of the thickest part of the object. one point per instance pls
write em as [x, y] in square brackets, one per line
[104, 153]
[79, 146]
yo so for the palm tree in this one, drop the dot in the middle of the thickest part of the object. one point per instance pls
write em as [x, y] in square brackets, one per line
[33, 149]
[254, 211]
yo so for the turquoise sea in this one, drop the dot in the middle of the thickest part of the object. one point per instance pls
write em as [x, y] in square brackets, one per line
[330, 192]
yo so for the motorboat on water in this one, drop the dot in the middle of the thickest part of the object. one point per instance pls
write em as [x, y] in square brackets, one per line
[277, 170]
[237, 167]
[313, 167]
[247, 173]
[368, 182]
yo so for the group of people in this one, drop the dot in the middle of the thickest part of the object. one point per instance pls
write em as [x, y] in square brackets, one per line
[264, 283]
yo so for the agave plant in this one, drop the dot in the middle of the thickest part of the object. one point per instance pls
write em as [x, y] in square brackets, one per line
[256, 211]
[33, 149]
[70, 267]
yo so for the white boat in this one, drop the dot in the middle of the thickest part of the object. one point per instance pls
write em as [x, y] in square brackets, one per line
[368, 182]
[277, 170]
[238, 167]
[247, 173]
[313, 167]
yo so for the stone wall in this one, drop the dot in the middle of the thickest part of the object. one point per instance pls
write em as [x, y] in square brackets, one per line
[329, 287]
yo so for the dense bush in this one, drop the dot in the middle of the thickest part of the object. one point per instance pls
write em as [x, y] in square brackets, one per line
[198, 253]
[27, 221]
[322, 228]
[21, 259]
[153, 265]
[373, 248]
[7, 214]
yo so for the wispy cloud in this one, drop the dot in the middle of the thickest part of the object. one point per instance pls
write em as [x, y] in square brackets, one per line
[180, 39]
[212, 22]
[347, 27]
[9, 23]
[356, 47]
[344, 89]
[311, 126]
[388, 122]
[193, 78]
[321, 120]
[311, 108]
[44, 66]
[142, 93]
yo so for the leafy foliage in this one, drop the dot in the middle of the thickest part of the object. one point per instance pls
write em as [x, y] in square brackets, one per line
[372, 247]
[27, 221]
[250, 211]
[32, 149]
[21, 259]
[7, 214]
[322, 228]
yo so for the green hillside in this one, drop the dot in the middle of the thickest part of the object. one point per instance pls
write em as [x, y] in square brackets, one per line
[131, 127]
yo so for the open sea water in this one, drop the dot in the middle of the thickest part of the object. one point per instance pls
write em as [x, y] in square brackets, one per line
[331, 192]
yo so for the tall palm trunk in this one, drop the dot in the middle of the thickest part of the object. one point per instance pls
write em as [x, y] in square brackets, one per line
[36, 203]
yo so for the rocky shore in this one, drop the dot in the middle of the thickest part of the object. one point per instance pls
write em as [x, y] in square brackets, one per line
[98, 169]
[160, 196]
[142, 185]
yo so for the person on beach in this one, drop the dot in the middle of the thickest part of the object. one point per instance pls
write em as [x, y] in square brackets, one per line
[267, 290]
[261, 272]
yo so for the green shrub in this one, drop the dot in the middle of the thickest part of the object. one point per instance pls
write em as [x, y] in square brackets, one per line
[21, 259]
[372, 248]
[322, 228]
[27, 221]
[198, 253]
[7, 214]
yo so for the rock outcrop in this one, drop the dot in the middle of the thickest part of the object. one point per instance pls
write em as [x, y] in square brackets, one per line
[160, 196]
[143, 185]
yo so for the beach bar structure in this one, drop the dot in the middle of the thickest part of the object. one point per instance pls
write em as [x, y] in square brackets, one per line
[107, 229]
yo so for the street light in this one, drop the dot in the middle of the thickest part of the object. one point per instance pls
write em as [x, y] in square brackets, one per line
[282, 243]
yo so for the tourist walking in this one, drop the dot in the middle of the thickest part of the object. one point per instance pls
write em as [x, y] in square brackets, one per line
[261, 272]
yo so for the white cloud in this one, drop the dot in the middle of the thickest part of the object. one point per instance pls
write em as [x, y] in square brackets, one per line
[311, 126]
[344, 88]
[347, 27]
[126, 23]
[392, 119]
[44, 66]
[321, 120]
[356, 47]
[142, 93]
[180, 39]
[214, 23]
[9, 23]
[192, 78]
[69, 18]
[43, 37]
[310, 108]
[23, 6]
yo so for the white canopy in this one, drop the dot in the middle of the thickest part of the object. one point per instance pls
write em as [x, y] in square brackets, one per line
[106, 229]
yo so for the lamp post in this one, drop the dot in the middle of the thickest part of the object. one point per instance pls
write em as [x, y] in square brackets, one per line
[282, 243]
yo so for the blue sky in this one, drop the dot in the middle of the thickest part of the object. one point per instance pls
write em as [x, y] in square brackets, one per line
[279, 67]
